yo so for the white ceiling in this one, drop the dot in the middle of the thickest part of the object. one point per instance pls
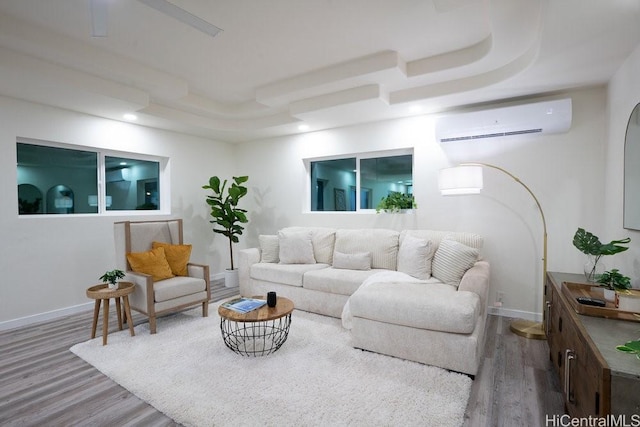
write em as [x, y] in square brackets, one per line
[326, 63]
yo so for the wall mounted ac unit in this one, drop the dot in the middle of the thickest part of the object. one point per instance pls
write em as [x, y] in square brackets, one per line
[535, 118]
[118, 175]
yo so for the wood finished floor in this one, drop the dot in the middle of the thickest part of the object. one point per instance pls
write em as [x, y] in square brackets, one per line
[43, 384]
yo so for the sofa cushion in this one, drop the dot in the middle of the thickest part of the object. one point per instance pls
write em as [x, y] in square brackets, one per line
[433, 306]
[382, 243]
[322, 239]
[336, 281]
[295, 248]
[359, 261]
[414, 257]
[452, 260]
[288, 274]
[177, 287]
[470, 239]
[269, 248]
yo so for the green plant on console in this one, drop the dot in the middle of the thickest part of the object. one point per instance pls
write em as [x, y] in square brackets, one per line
[227, 216]
[112, 276]
[632, 347]
[589, 244]
[614, 280]
[396, 201]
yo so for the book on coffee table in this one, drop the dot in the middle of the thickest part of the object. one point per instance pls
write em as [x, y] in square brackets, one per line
[244, 305]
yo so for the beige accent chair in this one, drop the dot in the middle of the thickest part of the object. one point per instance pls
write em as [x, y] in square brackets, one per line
[151, 298]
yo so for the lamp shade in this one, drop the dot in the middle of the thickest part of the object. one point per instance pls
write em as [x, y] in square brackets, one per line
[460, 180]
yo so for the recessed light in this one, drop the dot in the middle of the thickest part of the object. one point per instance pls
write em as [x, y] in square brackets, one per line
[130, 117]
[303, 127]
[123, 163]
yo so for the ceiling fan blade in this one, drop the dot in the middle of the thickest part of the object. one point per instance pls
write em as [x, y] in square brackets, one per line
[99, 13]
[183, 16]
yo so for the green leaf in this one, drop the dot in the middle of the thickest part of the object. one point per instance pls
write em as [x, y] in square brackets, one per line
[214, 184]
[589, 244]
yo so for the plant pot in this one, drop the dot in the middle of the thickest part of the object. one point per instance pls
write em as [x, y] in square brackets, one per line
[113, 286]
[609, 295]
[231, 278]
[628, 300]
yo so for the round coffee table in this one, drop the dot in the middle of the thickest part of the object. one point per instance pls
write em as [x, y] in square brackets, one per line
[258, 332]
[103, 292]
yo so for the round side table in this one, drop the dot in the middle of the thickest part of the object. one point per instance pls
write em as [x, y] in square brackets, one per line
[259, 332]
[103, 292]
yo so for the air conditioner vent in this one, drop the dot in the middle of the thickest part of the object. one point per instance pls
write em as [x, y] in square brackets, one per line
[540, 117]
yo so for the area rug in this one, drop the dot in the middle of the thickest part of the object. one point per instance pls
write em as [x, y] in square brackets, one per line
[315, 379]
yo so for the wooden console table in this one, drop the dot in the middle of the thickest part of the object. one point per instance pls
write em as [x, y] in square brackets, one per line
[596, 379]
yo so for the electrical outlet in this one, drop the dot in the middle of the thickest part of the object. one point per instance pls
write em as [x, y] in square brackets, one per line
[499, 299]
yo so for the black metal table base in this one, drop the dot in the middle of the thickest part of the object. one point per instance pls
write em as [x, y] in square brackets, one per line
[255, 338]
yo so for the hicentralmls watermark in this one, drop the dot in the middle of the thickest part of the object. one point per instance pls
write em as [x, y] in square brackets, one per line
[590, 421]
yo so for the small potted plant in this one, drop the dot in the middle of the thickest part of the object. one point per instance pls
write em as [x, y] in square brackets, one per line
[396, 202]
[111, 277]
[613, 281]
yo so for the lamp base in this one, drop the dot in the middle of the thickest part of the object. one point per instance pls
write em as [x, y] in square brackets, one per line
[528, 329]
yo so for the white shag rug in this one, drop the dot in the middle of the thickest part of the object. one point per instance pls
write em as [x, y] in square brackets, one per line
[315, 379]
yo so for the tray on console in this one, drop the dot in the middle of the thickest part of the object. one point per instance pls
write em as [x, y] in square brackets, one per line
[574, 290]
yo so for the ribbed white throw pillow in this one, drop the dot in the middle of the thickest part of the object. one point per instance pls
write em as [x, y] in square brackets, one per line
[296, 248]
[269, 248]
[452, 260]
[414, 257]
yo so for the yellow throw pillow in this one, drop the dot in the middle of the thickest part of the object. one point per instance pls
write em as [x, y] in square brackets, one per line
[153, 262]
[177, 256]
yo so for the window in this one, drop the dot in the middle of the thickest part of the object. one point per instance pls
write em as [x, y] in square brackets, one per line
[359, 182]
[61, 179]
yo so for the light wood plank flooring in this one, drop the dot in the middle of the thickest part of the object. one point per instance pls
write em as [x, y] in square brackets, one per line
[43, 384]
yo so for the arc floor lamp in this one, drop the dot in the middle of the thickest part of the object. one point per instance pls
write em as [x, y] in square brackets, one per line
[466, 178]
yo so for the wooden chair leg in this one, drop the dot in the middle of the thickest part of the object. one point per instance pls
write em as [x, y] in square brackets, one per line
[205, 309]
[152, 324]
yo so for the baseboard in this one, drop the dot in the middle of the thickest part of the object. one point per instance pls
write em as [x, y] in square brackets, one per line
[518, 314]
[219, 276]
[43, 317]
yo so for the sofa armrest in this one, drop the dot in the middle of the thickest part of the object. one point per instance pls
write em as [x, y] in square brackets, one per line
[201, 271]
[246, 258]
[142, 299]
[476, 280]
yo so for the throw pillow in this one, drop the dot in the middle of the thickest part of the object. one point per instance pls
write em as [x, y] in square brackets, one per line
[357, 261]
[177, 257]
[269, 248]
[295, 248]
[153, 262]
[414, 257]
[452, 260]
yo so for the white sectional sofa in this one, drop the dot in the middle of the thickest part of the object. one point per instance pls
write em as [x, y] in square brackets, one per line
[419, 295]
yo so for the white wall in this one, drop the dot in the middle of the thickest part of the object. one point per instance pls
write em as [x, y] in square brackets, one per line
[623, 95]
[48, 262]
[564, 171]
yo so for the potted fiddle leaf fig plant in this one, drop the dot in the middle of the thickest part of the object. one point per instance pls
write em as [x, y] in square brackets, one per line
[227, 216]
[396, 202]
[590, 244]
[111, 277]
